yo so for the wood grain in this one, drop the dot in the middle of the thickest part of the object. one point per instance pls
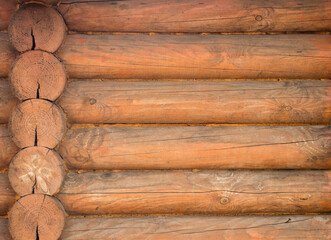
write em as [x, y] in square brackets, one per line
[7, 101]
[196, 228]
[7, 195]
[37, 74]
[198, 102]
[36, 216]
[7, 147]
[294, 147]
[37, 122]
[199, 228]
[196, 15]
[187, 16]
[205, 192]
[197, 56]
[7, 9]
[36, 170]
[35, 26]
[191, 56]
[7, 55]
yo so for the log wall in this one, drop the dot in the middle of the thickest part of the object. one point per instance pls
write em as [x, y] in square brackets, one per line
[187, 119]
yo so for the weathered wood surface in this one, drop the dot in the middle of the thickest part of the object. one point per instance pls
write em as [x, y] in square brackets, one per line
[7, 147]
[36, 216]
[189, 102]
[187, 16]
[191, 56]
[35, 26]
[7, 194]
[198, 102]
[7, 9]
[196, 228]
[7, 101]
[36, 170]
[7, 55]
[37, 122]
[284, 147]
[37, 74]
[205, 192]
[197, 15]
[197, 56]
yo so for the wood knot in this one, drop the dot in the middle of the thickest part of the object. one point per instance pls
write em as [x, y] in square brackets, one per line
[224, 200]
[258, 18]
[92, 101]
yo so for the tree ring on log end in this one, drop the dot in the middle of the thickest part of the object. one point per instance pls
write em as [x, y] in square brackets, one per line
[36, 170]
[48, 2]
[37, 122]
[35, 26]
[37, 74]
[36, 216]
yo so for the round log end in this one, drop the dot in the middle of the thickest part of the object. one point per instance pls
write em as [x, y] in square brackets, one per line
[36, 170]
[35, 26]
[36, 216]
[37, 122]
[37, 74]
[47, 2]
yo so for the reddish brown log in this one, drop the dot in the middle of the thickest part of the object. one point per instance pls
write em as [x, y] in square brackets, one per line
[197, 56]
[7, 9]
[197, 15]
[7, 195]
[306, 147]
[192, 56]
[47, 2]
[36, 216]
[37, 74]
[35, 26]
[205, 192]
[7, 55]
[7, 148]
[197, 228]
[198, 102]
[36, 170]
[37, 122]
[7, 101]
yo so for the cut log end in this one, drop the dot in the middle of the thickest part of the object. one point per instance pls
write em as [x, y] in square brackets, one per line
[37, 122]
[37, 74]
[36, 170]
[36, 216]
[35, 26]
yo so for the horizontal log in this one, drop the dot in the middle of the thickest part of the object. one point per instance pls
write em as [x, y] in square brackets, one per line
[7, 9]
[211, 192]
[197, 56]
[291, 147]
[196, 15]
[198, 102]
[196, 228]
[204, 192]
[189, 102]
[188, 16]
[7, 195]
[191, 56]
[7, 148]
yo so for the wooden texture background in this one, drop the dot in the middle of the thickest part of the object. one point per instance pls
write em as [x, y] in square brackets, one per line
[182, 112]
